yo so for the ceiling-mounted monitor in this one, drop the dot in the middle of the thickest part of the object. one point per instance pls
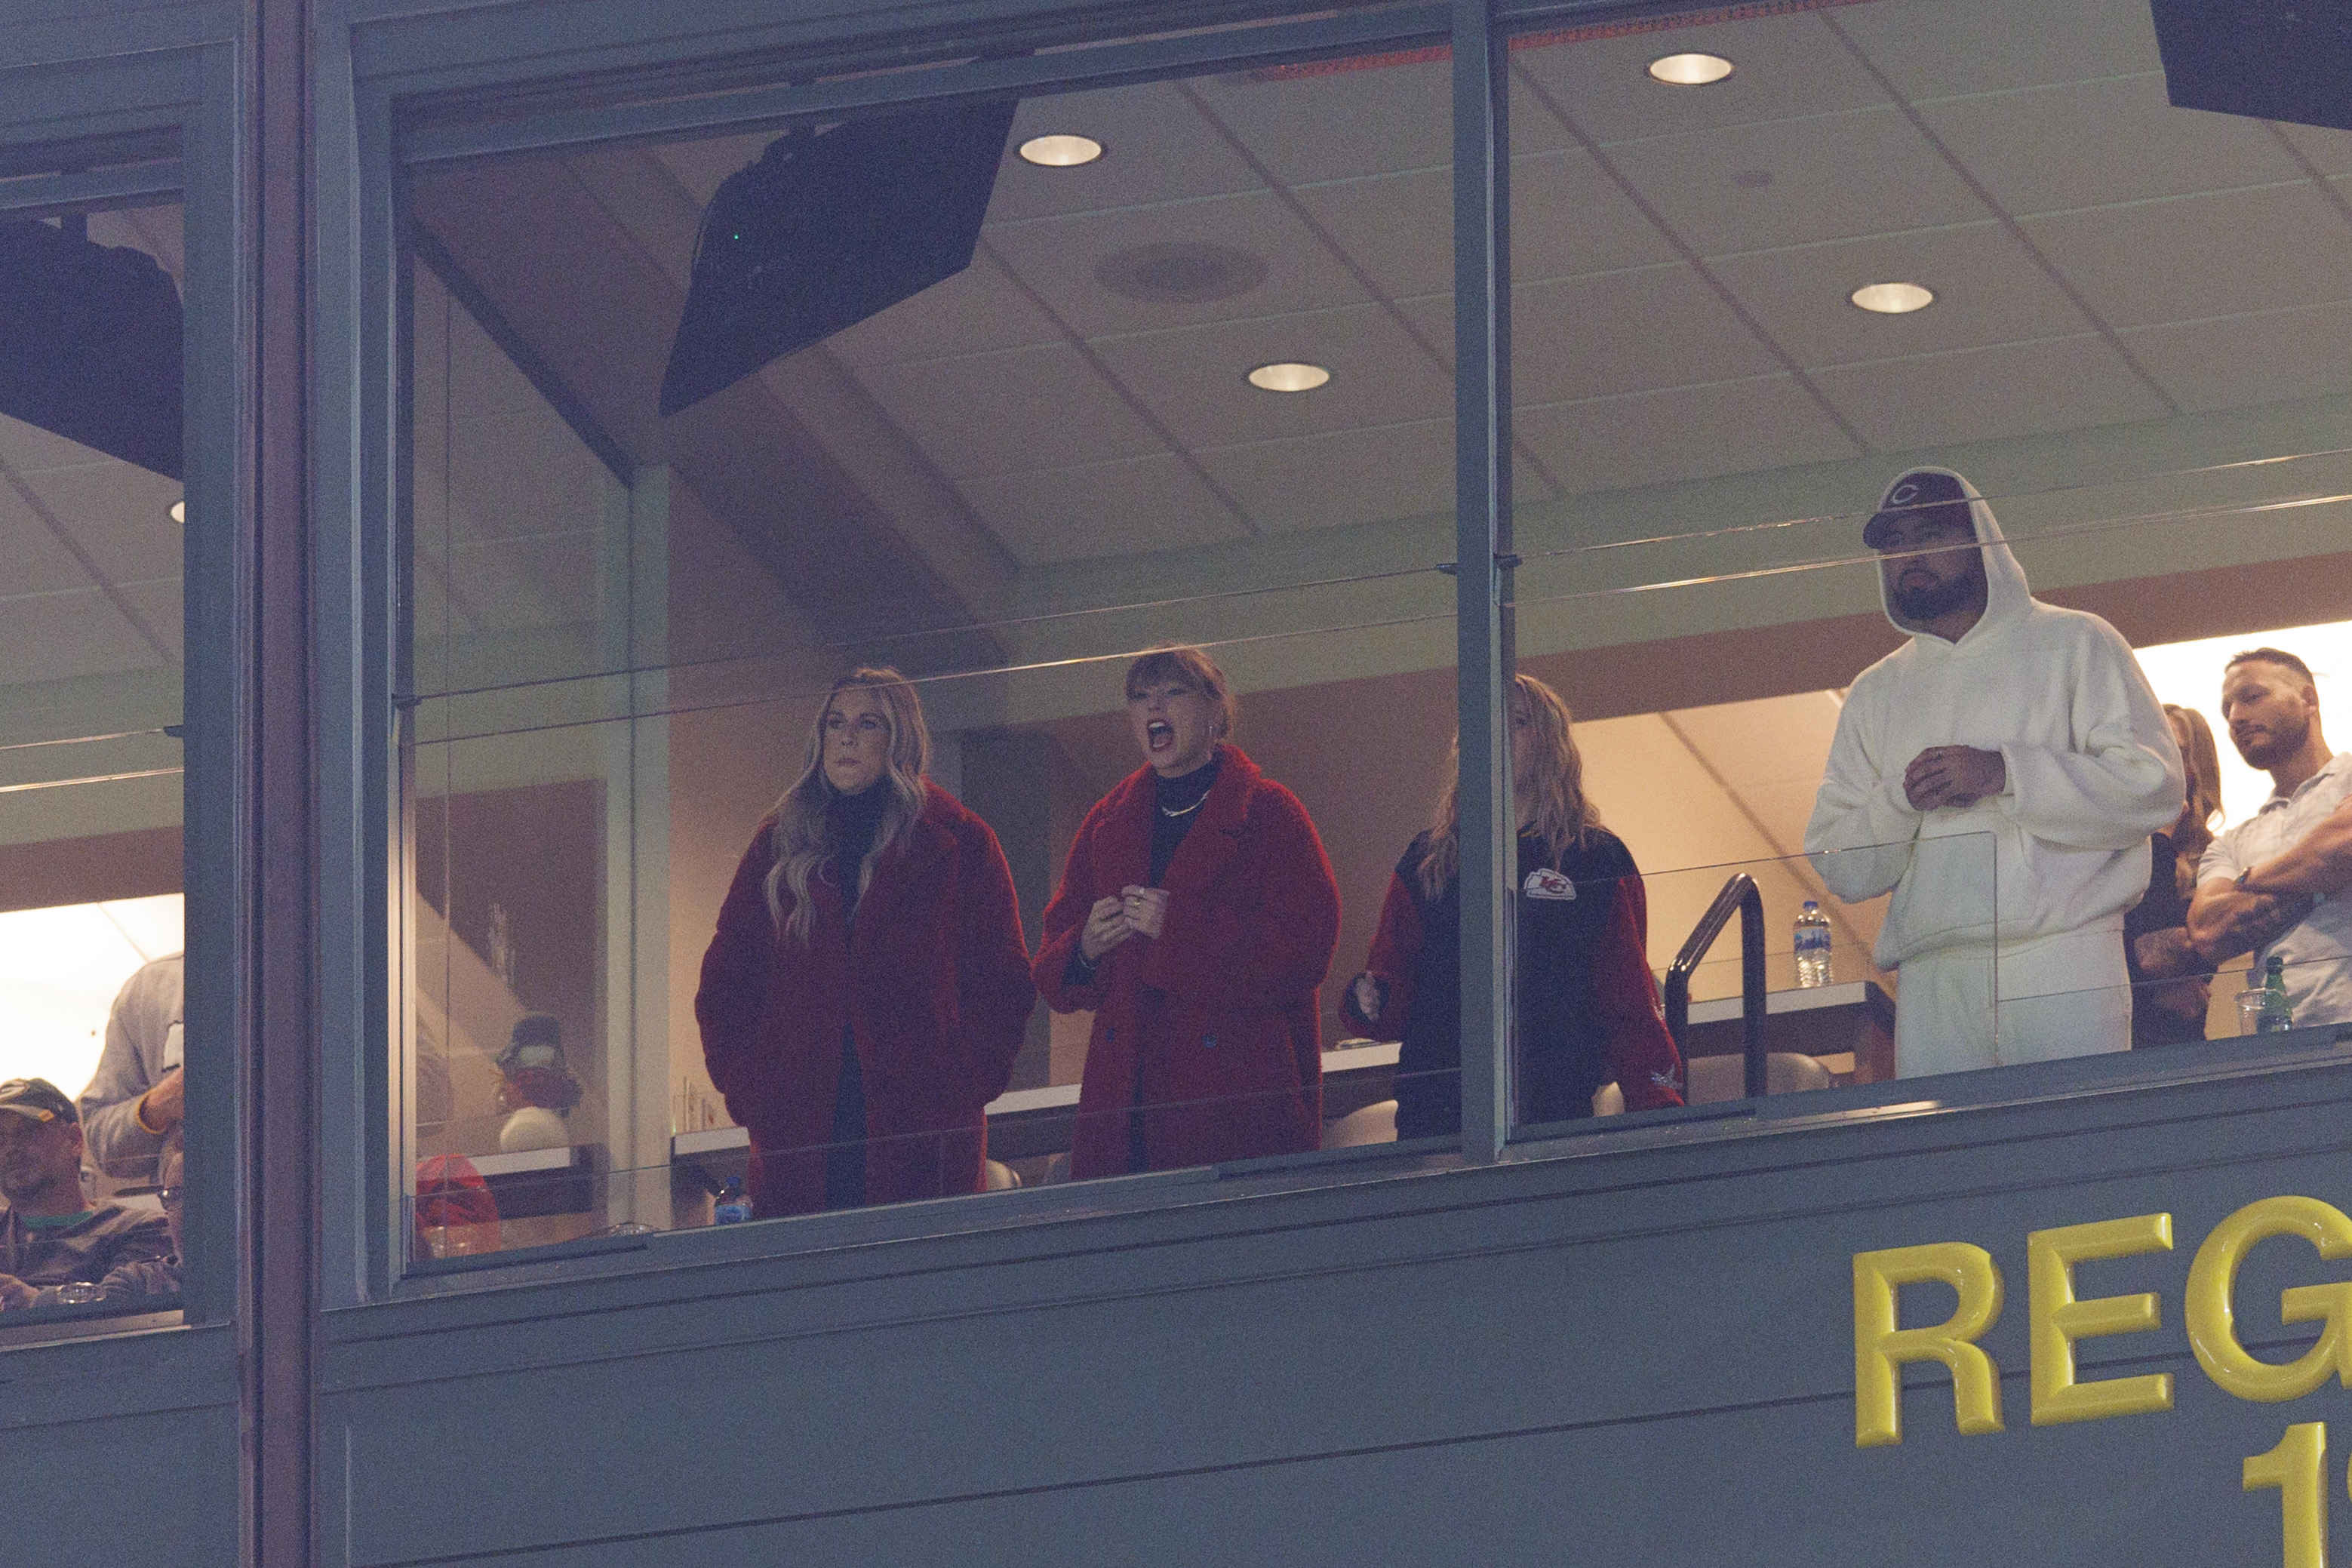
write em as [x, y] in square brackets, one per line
[90, 344]
[824, 230]
[2272, 59]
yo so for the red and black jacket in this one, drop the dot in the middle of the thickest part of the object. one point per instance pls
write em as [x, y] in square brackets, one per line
[1588, 1005]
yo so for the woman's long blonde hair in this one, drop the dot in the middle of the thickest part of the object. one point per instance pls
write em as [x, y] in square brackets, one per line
[1564, 818]
[2194, 832]
[799, 836]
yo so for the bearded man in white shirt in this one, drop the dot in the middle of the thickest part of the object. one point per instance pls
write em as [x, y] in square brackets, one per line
[2000, 774]
[2276, 884]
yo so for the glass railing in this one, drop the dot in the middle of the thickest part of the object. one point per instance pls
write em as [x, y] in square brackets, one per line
[460, 1207]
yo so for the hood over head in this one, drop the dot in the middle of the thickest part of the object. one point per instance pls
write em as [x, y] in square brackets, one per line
[1934, 489]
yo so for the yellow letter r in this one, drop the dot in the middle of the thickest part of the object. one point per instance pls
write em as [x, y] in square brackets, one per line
[1880, 1347]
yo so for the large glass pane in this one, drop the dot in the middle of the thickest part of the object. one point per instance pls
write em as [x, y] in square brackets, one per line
[91, 684]
[1001, 398]
[2076, 351]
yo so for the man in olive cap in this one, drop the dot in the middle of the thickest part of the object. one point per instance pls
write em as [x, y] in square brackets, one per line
[50, 1232]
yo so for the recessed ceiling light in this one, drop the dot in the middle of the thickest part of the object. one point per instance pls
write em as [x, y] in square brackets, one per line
[1061, 152]
[180, 512]
[1288, 375]
[1893, 299]
[1689, 70]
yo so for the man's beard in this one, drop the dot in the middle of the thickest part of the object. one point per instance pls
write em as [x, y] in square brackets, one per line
[2277, 746]
[1928, 603]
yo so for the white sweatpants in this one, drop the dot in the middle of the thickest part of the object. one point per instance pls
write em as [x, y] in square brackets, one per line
[2064, 996]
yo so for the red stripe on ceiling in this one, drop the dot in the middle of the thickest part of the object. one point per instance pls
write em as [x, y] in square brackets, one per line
[1714, 15]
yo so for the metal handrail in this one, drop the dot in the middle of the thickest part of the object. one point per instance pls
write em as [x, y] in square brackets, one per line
[1739, 895]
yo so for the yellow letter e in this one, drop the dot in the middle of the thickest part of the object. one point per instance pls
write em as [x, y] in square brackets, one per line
[2059, 1319]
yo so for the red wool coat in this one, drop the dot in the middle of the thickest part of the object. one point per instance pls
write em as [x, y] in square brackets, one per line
[1214, 1025]
[934, 981]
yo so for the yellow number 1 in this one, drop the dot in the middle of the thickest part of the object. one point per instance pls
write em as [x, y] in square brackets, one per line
[2295, 1467]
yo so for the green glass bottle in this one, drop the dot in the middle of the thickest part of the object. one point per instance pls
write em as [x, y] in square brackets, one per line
[2276, 1013]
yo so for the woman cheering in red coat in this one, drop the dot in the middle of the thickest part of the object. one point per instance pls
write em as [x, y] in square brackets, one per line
[869, 985]
[1196, 917]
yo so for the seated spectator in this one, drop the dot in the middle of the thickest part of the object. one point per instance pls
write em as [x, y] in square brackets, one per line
[125, 1283]
[2275, 884]
[50, 1232]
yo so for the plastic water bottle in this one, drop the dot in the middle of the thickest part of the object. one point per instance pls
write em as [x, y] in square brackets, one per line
[1812, 933]
[2277, 1015]
[734, 1205]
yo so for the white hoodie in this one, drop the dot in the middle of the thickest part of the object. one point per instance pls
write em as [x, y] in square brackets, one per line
[2093, 770]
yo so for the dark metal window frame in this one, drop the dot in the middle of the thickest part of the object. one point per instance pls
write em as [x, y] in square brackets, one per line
[167, 117]
[429, 89]
[434, 90]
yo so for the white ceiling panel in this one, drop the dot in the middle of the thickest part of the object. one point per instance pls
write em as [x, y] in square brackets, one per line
[518, 471]
[2328, 151]
[1983, 395]
[1988, 288]
[1432, 316]
[1784, 807]
[1865, 171]
[1131, 507]
[1155, 148]
[2233, 362]
[119, 513]
[1193, 379]
[1627, 332]
[1349, 476]
[1684, 433]
[978, 310]
[1570, 218]
[1773, 740]
[1644, 781]
[1782, 65]
[1341, 125]
[29, 448]
[2270, 249]
[32, 560]
[1932, 49]
[159, 605]
[2122, 142]
[1057, 258]
[56, 637]
[994, 413]
[1398, 227]
[522, 583]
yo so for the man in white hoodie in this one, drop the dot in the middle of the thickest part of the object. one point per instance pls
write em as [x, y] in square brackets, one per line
[2000, 774]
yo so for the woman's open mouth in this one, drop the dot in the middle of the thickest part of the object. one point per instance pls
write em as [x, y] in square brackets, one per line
[1159, 735]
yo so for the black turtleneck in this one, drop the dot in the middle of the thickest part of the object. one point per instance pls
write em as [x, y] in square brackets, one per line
[851, 821]
[1175, 803]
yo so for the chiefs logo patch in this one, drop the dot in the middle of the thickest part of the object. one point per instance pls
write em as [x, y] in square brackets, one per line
[1548, 883]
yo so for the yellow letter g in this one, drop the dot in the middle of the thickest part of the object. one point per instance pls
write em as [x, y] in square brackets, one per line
[2212, 1282]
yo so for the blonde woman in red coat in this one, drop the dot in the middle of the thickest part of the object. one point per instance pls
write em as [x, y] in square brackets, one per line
[868, 985]
[1196, 918]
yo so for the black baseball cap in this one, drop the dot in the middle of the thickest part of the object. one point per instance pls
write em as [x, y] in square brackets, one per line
[37, 1099]
[1921, 491]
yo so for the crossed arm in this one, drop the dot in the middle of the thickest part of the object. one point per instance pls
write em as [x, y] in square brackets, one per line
[2227, 918]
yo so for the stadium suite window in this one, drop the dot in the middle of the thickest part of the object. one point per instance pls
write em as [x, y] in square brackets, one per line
[92, 1169]
[1048, 434]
